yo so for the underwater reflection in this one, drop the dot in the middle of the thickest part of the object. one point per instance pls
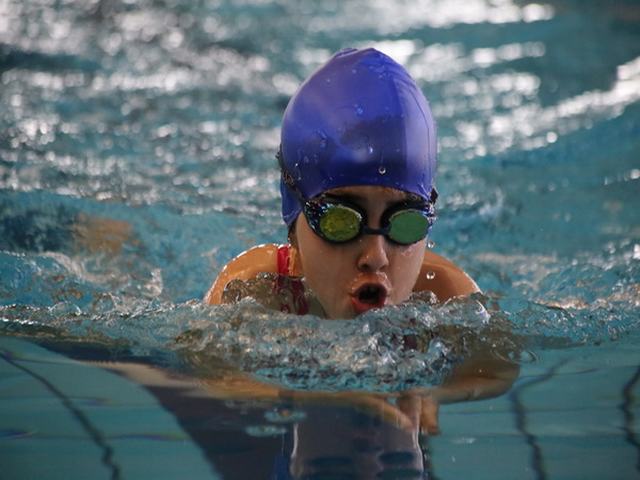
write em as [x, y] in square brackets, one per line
[343, 443]
[312, 436]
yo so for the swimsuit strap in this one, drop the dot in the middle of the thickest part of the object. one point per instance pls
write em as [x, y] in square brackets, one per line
[286, 284]
[283, 259]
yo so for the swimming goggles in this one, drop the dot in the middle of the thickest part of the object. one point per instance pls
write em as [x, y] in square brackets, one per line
[338, 221]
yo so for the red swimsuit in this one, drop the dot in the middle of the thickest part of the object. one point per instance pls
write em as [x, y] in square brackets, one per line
[287, 285]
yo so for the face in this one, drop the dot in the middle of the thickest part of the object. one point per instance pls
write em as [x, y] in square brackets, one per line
[368, 272]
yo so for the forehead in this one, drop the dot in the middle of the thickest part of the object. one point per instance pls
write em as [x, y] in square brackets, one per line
[370, 192]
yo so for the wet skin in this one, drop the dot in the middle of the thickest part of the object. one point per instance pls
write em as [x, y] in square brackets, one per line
[338, 273]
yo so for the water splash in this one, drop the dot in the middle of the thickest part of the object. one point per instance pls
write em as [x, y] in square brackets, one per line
[389, 349]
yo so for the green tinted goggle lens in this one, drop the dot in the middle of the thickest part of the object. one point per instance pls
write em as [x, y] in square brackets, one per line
[408, 226]
[341, 223]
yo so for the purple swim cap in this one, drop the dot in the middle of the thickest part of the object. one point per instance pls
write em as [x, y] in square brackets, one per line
[358, 120]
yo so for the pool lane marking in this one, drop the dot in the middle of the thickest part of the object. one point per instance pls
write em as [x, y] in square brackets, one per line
[92, 431]
[537, 460]
[627, 413]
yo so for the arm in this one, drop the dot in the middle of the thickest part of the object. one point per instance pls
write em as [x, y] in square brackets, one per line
[481, 376]
[486, 372]
[476, 379]
[247, 265]
[234, 385]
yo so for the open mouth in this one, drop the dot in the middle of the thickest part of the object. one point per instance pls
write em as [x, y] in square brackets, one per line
[369, 296]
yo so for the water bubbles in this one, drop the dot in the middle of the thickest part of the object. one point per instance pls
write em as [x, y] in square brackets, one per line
[382, 170]
[430, 275]
[431, 244]
[297, 171]
[359, 110]
[370, 149]
[262, 431]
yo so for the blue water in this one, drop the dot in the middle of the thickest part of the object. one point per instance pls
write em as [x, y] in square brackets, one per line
[137, 143]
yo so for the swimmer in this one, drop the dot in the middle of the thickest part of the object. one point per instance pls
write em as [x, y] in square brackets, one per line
[358, 161]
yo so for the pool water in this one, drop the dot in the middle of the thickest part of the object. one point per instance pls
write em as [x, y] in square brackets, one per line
[137, 143]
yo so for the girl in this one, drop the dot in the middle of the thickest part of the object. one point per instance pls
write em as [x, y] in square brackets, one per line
[358, 161]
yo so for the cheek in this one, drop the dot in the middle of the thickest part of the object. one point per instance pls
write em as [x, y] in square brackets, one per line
[407, 263]
[325, 275]
[320, 262]
[323, 268]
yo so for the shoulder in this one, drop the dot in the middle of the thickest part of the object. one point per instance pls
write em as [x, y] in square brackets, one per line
[247, 265]
[444, 278]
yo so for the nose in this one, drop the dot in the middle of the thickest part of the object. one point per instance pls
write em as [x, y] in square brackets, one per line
[373, 254]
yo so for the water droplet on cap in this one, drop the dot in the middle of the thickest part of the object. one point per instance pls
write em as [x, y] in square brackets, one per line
[430, 275]
[370, 149]
[382, 170]
[431, 243]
